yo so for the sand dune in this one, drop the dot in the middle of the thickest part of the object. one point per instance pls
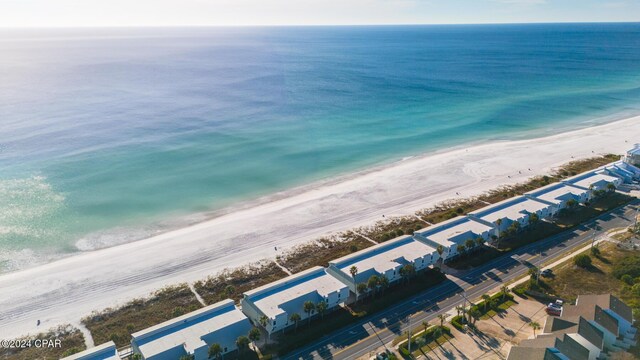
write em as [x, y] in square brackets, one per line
[66, 290]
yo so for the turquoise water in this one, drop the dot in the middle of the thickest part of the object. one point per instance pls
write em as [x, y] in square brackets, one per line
[108, 134]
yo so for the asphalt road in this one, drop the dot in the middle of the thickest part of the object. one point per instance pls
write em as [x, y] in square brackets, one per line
[381, 328]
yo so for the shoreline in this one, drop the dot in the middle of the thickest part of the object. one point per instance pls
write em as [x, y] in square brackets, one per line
[177, 222]
[69, 289]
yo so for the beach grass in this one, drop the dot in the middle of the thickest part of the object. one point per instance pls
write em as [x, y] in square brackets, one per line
[72, 341]
[320, 252]
[231, 283]
[117, 324]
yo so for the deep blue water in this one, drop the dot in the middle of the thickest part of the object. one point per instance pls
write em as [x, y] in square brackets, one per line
[105, 131]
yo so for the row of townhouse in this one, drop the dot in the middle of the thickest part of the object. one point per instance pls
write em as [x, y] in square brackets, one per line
[593, 328]
[272, 306]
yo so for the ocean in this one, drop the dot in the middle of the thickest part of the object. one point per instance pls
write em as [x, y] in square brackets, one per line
[111, 135]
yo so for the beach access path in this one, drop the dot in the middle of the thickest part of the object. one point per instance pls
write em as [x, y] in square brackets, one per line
[66, 290]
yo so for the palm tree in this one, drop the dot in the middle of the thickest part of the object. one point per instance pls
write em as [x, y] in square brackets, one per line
[459, 309]
[360, 289]
[254, 336]
[372, 283]
[469, 244]
[187, 357]
[474, 314]
[321, 307]
[295, 317]
[264, 320]
[425, 325]
[242, 343]
[229, 291]
[136, 356]
[440, 250]
[498, 223]
[535, 326]
[486, 299]
[460, 248]
[384, 282]
[479, 240]
[442, 318]
[505, 290]
[407, 271]
[533, 218]
[309, 307]
[215, 351]
[354, 271]
[611, 187]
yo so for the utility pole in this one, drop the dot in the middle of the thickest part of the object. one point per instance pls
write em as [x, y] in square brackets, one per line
[593, 238]
[409, 336]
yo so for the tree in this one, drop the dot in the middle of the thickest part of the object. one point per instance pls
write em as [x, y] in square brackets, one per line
[460, 249]
[309, 307]
[533, 218]
[187, 357]
[469, 244]
[479, 241]
[486, 299]
[474, 314]
[242, 343]
[373, 283]
[254, 335]
[215, 351]
[611, 187]
[407, 271]
[582, 260]
[571, 203]
[425, 325]
[442, 318]
[535, 326]
[295, 317]
[499, 224]
[136, 356]
[322, 307]
[384, 282]
[505, 290]
[459, 309]
[354, 271]
[440, 250]
[360, 289]
[595, 251]
[264, 320]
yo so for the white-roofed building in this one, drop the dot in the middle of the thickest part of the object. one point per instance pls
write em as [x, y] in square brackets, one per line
[559, 194]
[279, 300]
[633, 156]
[106, 351]
[192, 334]
[383, 259]
[452, 233]
[518, 209]
[593, 180]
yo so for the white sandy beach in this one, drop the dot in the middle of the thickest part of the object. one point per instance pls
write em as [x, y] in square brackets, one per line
[64, 291]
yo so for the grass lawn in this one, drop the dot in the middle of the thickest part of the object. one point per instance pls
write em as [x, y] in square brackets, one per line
[118, 324]
[71, 338]
[309, 332]
[424, 350]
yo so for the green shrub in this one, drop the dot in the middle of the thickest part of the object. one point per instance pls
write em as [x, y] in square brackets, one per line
[629, 265]
[627, 279]
[582, 260]
[458, 322]
[595, 251]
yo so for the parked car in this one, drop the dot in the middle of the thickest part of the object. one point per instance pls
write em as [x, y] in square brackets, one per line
[547, 273]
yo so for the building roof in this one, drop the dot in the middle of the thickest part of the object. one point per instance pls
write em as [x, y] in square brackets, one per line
[607, 301]
[527, 353]
[187, 330]
[512, 209]
[593, 313]
[585, 180]
[106, 351]
[270, 298]
[453, 231]
[384, 257]
[556, 193]
[635, 150]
